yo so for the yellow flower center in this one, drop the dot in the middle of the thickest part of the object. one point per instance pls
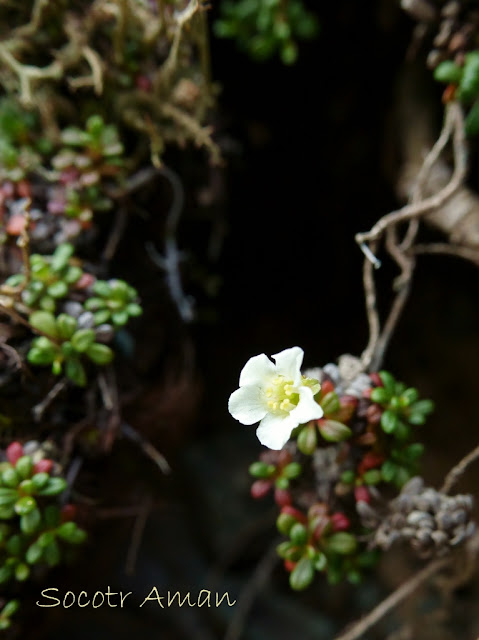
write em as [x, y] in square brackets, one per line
[282, 396]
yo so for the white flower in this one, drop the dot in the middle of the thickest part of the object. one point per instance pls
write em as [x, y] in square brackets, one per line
[277, 395]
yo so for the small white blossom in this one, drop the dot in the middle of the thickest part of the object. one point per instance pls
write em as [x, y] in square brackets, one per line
[276, 395]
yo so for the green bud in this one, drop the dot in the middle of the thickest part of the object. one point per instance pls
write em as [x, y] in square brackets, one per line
[302, 575]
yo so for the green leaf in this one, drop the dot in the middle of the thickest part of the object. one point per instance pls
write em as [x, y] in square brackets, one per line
[75, 371]
[469, 82]
[423, 406]
[6, 573]
[8, 496]
[82, 339]
[119, 318]
[389, 421]
[134, 310]
[71, 533]
[61, 256]
[388, 381]
[24, 467]
[58, 289]
[334, 431]
[285, 522]
[320, 561]
[10, 608]
[292, 470]
[298, 534]
[25, 505]
[308, 439]
[284, 548]
[34, 553]
[66, 326]
[10, 477]
[302, 575]
[51, 553]
[380, 395]
[45, 322]
[414, 451]
[348, 477]
[30, 522]
[330, 403]
[99, 353]
[389, 470]
[54, 487]
[22, 572]
[372, 476]
[342, 542]
[261, 469]
[448, 72]
[40, 480]
[471, 125]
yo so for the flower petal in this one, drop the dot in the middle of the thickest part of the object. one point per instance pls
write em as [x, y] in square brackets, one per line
[274, 431]
[288, 364]
[247, 405]
[258, 370]
[307, 409]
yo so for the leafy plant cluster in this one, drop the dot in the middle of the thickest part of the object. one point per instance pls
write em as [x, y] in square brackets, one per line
[463, 84]
[362, 447]
[70, 336]
[266, 28]
[70, 178]
[34, 530]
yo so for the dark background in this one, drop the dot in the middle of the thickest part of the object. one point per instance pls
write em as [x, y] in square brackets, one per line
[311, 161]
